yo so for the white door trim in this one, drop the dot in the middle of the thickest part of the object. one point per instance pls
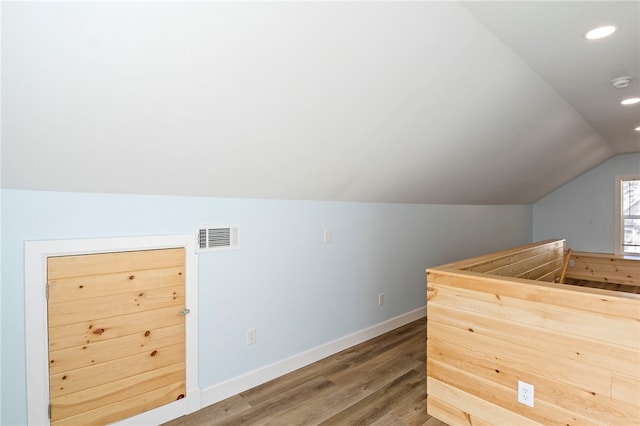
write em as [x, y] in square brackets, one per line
[36, 254]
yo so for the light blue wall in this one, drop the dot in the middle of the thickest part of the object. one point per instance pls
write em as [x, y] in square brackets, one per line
[298, 292]
[583, 210]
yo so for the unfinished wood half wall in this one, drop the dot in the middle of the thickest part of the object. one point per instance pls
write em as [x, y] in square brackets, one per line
[498, 319]
[618, 272]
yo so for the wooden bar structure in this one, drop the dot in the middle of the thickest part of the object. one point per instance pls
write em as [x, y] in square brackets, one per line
[501, 318]
[619, 272]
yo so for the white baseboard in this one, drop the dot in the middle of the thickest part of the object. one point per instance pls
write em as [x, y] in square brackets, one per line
[236, 385]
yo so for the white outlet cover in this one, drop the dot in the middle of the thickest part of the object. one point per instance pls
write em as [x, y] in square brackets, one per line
[251, 336]
[525, 393]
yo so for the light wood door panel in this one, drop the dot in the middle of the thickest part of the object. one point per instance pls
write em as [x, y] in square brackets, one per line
[116, 335]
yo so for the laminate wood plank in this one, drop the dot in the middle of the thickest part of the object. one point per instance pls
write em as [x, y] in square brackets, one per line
[366, 366]
[389, 420]
[322, 407]
[265, 412]
[411, 408]
[214, 414]
[387, 392]
[341, 361]
[370, 409]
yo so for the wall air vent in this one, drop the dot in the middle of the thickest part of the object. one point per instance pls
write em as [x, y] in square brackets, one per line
[215, 238]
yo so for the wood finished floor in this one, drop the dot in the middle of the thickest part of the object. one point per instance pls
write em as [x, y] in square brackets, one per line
[380, 382]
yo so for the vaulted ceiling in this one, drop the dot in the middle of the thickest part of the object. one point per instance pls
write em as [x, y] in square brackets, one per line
[416, 102]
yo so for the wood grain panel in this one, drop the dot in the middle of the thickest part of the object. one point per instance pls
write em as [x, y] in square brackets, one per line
[82, 288]
[538, 362]
[451, 415]
[118, 304]
[492, 260]
[544, 272]
[473, 406]
[126, 408]
[507, 398]
[101, 329]
[578, 346]
[99, 352]
[96, 375]
[528, 265]
[588, 299]
[605, 268]
[575, 399]
[599, 354]
[98, 396]
[116, 335]
[617, 330]
[109, 263]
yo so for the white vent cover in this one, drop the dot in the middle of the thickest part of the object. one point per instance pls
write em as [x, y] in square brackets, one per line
[213, 238]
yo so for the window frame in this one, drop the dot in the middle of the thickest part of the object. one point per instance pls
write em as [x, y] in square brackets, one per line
[618, 210]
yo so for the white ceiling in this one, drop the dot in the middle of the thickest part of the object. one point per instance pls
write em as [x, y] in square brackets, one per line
[417, 102]
[548, 37]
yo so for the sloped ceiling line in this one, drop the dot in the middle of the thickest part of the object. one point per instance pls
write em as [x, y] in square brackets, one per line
[376, 102]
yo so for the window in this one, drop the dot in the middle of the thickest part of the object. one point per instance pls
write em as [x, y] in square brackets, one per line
[628, 229]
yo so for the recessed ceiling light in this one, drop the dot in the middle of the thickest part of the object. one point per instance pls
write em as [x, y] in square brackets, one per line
[630, 101]
[638, 129]
[621, 82]
[600, 32]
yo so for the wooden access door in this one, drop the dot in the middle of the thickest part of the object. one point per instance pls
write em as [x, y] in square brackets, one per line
[116, 330]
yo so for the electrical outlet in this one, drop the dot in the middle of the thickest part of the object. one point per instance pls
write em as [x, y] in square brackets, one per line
[525, 393]
[572, 263]
[251, 336]
[381, 299]
[327, 236]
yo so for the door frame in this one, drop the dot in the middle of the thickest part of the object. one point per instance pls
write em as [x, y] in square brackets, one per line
[36, 255]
